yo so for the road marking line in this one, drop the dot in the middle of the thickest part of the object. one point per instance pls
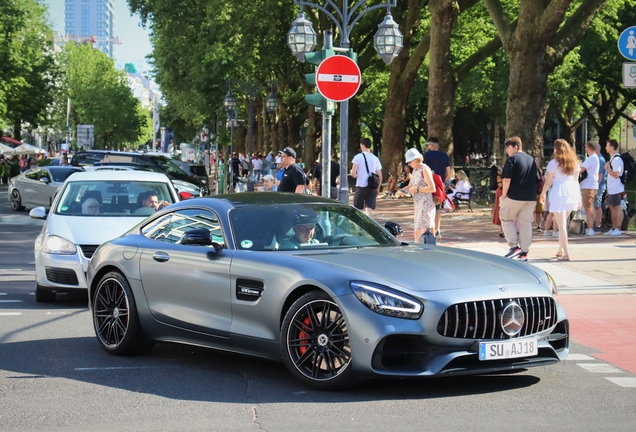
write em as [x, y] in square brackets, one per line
[10, 313]
[10, 301]
[600, 368]
[111, 368]
[623, 382]
[579, 357]
[3, 293]
[57, 313]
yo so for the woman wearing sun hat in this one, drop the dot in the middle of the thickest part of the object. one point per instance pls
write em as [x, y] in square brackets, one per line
[421, 188]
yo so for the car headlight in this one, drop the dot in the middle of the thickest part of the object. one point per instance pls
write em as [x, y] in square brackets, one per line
[387, 301]
[553, 287]
[59, 246]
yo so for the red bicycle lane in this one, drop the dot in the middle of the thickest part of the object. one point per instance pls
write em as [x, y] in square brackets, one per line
[604, 322]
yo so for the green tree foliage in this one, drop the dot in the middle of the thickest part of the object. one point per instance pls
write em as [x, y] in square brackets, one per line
[27, 64]
[100, 96]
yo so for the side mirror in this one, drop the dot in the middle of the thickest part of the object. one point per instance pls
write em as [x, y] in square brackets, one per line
[38, 213]
[45, 180]
[185, 196]
[197, 237]
[393, 228]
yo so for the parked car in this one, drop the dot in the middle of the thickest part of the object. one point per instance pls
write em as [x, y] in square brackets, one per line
[197, 170]
[322, 287]
[90, 209]
[38, 186]
[150, 160]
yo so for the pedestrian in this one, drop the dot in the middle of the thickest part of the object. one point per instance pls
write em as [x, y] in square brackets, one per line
[421, 188]
[269, 183]
[363, 165]
[64, 161]
[589, 185]
[462, 187]
[439, 162]
[257, 166]
[293, 178]
[600, 192]
[615, 187]
[518, 199]
[565, 196]
[235, 164]
[333, 180]
[539, 208]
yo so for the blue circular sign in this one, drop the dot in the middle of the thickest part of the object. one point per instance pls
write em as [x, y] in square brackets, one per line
[627, 43]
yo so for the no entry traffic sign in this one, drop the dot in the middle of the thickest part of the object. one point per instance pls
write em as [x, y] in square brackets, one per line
[338, 78]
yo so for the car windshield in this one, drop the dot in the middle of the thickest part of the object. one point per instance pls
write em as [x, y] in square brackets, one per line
[198, 170]
[305, 226]
[168, 166]
[61, 174]
[110, 197]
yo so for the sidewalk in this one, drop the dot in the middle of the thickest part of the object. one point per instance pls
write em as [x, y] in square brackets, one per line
[598, 264]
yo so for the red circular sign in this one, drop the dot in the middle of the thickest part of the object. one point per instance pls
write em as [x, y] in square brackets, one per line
[338, 78]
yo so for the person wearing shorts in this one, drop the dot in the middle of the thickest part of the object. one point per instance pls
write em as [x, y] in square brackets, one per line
[589, 185]
[365, 197]
[600, 193]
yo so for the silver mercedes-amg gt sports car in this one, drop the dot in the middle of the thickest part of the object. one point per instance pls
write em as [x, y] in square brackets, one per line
[318, 284]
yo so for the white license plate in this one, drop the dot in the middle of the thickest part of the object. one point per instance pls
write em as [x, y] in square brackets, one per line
[508, 349]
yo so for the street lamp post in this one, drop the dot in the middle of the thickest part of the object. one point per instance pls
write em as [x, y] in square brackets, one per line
[271, 105]
[301, 39]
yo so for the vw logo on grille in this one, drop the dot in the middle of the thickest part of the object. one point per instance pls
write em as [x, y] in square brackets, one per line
[503, 289]
[512, 319]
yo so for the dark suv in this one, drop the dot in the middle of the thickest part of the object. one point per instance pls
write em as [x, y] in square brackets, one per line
[197, 170]
[152, 161]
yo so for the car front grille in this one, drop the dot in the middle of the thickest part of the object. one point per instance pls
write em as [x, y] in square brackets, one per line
[61, 276]
[88, 250]
[481, 319]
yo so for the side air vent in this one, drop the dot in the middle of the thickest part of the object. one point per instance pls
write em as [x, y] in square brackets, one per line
[248, 289]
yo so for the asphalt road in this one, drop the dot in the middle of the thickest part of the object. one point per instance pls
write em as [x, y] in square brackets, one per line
[54, 376]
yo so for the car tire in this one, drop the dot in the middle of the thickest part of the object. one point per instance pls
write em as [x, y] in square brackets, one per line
[16, 201]
[315, 343]
[44, 295]
[115, 317]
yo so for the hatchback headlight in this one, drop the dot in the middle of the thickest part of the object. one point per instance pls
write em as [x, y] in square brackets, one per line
[553, 287]
[59, 246]
[386, 301]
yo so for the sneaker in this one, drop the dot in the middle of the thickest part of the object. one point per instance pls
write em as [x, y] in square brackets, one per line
[388, 197]
[597, 229]
[616, 232]
[609, 232]
[546, 233]
[438, 235]
[514, 251]
[555, 234]
[523, 256]
[589, 232]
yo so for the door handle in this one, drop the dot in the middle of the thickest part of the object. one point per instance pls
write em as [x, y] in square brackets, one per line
[160, 256]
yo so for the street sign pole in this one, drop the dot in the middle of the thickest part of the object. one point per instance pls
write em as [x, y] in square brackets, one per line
[326, 132]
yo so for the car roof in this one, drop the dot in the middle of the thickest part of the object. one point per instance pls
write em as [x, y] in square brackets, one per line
[119, 175]
[63, 167]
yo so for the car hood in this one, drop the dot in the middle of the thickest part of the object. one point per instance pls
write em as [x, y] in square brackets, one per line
[427, 269]
[85, 230]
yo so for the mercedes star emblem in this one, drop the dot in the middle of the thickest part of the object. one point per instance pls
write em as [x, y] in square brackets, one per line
[512, 319]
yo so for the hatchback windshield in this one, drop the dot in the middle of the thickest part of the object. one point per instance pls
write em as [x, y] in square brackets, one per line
[305, 226]
[111, 198]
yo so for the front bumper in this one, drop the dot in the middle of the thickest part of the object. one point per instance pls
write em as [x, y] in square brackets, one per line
[61, 273]
[400, 347]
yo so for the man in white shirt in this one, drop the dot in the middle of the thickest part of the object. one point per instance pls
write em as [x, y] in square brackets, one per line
[589, 186]
[615, 187]
[365, 197]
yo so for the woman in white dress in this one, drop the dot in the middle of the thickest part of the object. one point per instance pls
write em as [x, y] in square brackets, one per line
[565, 196]
[421, 188]
[462, 188]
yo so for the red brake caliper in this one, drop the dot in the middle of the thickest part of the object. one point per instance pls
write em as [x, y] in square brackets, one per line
[303, 335]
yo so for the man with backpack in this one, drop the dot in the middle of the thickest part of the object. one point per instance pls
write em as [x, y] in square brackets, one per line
[615, 186]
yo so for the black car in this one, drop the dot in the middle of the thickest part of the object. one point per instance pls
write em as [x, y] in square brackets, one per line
[198, 170]
[154, 161]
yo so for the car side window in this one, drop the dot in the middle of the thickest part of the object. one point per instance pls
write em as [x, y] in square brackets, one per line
[32, 174]
[171, 227]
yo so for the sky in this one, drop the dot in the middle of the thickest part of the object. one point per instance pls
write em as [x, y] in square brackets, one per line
[135, 39]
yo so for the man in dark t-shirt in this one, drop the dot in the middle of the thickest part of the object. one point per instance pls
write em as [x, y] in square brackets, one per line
[293, 179]
[439, 162]
[518, 199]
[335, 172]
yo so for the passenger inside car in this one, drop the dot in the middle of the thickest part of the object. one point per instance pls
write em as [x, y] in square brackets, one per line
[150, 203]
[91, 206]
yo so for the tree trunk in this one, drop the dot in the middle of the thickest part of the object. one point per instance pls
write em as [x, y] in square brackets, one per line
[17, 129]
[526, 105]
[311, 134]
[441, 81]
[259, 118]
[353, 147]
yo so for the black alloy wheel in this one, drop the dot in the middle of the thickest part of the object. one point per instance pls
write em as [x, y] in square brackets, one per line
[115, 317]
[16, 201]
[315, 342]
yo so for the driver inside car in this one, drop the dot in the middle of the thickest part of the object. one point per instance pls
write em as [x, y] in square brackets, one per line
[303, 227]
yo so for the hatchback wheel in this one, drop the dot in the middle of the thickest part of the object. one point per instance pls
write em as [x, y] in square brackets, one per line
[315, 342]
[115, 317]
[16, 201]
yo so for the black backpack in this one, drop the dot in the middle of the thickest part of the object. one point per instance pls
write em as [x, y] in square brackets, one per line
[629, 167]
